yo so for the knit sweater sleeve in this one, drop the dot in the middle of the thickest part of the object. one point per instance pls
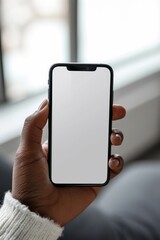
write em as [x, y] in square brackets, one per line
[17, 222]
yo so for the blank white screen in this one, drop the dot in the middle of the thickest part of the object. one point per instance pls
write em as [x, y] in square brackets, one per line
[80, 121]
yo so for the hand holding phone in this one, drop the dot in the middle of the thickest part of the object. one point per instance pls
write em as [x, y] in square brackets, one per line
[31, 184]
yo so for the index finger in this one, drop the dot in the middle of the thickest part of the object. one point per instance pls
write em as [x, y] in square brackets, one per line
[119, 112]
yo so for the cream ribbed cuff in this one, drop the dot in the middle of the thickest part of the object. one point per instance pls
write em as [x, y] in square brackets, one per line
[17, 222]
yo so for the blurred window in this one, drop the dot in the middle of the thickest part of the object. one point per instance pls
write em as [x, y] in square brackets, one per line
[34, 34]
[113, 30]
[37, 33]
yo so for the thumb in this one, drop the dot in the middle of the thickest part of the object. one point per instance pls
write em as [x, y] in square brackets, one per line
[33, 126]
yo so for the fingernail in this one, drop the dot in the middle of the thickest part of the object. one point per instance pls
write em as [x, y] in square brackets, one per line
[42, 105]
[115, 162]
[118, 134]
[118, 137]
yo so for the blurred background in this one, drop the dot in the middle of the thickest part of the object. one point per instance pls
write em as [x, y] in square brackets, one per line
[34, 34]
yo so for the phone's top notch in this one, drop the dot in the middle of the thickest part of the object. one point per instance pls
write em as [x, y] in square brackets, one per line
[81, 67]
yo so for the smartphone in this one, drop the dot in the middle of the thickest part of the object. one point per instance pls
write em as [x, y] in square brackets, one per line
[80, 112]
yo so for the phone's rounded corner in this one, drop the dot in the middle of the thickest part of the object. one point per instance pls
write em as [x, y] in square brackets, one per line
[106, 180]
[55, 184]
[111, 69]
[51, 180]
[51, 69]
[54, 65]
[106, 66]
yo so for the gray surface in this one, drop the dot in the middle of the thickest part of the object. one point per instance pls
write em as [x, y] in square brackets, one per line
[127, 209]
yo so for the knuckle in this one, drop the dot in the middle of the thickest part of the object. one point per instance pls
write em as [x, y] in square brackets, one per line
[29, 120]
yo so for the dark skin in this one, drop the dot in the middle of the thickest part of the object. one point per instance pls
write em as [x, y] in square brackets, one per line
[31, 184]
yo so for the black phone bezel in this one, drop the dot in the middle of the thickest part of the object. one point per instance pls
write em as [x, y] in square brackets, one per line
[77, 67]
